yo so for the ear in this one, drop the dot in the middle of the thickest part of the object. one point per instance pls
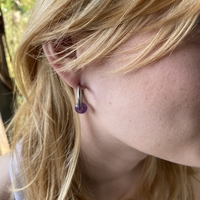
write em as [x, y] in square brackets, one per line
[52, 54]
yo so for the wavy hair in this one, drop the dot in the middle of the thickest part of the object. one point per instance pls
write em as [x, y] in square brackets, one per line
[45, 125]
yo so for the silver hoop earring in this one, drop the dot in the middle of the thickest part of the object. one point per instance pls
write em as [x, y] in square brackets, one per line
[80, 107]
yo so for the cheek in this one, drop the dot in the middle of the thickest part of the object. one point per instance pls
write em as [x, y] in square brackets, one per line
[155, 110]
[167, 122]
[158, 114]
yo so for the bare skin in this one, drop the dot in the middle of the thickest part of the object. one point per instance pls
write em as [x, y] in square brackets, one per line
[160, 102]
[5, 182]
[153, 111]
[100, 190]
[4, 145]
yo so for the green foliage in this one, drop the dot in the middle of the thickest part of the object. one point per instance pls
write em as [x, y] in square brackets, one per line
[21, 5]
[16, 14]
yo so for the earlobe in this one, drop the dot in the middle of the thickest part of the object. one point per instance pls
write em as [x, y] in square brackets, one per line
[72, 78]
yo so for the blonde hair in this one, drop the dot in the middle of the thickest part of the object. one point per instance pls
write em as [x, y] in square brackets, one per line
[46, 125]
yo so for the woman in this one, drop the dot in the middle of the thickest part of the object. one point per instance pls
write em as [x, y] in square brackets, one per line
[112, 103]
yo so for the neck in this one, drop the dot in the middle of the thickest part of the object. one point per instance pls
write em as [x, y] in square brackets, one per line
[111, 169]
[112, 186]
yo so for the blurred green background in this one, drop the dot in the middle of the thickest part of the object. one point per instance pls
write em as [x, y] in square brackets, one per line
[16, 14]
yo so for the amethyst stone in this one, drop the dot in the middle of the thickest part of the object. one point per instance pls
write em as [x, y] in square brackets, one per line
[81, 109]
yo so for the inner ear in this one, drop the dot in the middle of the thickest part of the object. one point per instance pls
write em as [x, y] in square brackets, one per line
[54, 50]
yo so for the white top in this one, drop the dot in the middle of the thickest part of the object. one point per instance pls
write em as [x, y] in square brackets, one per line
[13, 170]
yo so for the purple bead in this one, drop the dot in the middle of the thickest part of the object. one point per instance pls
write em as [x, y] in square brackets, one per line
[82, 110]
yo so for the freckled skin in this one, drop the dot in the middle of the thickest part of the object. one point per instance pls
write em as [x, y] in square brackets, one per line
[154, 110]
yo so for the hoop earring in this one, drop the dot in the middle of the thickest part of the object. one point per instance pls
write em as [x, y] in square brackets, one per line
[80, 107]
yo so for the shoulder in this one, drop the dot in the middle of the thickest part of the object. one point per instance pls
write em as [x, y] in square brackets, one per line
[5, 182]
[196, 185]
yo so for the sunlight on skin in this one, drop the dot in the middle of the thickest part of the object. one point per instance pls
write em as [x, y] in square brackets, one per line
[4, 145]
